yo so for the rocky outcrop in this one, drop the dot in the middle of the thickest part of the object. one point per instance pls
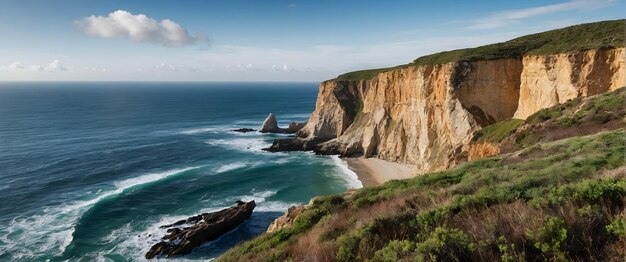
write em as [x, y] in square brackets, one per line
[286, 219]
[425, 115]
[481, 150]
[270, 125]
[184, 235]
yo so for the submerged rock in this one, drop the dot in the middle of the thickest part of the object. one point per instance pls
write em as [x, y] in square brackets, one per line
[243, 130]
[201, 228]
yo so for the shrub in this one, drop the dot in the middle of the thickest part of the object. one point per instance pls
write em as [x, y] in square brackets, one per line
[347, 248]
[590, 190]
[508, 251]
[445, 244]
[549, 237]
[432, 218]
[617, 227]
[394, 251]
[306, 220]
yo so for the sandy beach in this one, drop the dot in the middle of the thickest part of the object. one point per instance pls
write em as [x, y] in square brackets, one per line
[374, 171]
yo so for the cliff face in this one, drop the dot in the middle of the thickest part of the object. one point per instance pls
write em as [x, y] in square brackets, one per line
[554, 79]
[425, 115]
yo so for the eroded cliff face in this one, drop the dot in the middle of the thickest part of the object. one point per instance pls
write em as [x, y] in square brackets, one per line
[425, 115]
[550, 80]
[418, 115]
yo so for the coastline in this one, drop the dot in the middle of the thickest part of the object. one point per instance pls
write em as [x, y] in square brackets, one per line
[374, 171]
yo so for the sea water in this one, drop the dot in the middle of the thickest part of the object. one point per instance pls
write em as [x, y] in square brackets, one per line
[89, 171]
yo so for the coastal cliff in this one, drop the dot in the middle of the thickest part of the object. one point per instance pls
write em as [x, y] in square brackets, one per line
[418, 115]
[539, 122]
[424, 114]
[563, 174]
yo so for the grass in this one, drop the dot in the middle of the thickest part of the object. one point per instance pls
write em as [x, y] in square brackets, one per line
[605, 34]
[365, 74]
[553, 201]
[497, 132]
[576, 117]
[580, 116]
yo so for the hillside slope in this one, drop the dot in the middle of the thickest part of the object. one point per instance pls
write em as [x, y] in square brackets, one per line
[556, 199]
[580, 116]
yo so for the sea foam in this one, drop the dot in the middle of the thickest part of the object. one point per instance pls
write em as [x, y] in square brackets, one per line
[193, 131]
[240, 144]
[34, 236]
[230, 167]
[349, 176]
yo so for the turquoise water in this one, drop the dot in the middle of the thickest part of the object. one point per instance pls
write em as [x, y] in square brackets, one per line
[88, 171]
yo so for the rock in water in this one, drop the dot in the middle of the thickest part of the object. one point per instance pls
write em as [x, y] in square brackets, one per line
[270, 125]
[295, 127]
[243, 130]
[203, 228]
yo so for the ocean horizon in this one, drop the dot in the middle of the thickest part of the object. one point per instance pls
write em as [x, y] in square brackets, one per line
[90, 170]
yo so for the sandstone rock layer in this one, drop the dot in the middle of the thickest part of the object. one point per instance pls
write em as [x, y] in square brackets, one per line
[550, 80]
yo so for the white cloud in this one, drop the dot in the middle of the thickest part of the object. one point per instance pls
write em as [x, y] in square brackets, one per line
[507, 17]
[54, 66]
[138, 28]
[175, 68]
[283, 68]
[164, 67]
[16, 66]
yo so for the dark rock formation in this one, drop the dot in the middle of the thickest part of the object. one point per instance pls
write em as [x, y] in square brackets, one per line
[243, 130]
[203, 228]
[270, 125]
[295, 144]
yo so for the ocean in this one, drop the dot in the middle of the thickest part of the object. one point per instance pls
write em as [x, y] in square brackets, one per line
[89, 171]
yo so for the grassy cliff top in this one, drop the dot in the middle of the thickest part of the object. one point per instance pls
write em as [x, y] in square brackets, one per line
[605, 34]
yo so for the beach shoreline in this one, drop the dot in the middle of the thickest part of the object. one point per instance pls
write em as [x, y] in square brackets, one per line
[374, 171]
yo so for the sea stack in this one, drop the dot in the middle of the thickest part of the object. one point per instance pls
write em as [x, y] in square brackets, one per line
[270, 125]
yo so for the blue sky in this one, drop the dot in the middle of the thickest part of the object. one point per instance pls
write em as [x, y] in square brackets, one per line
[188, 40]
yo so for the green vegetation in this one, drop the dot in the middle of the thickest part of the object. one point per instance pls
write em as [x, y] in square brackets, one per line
[363, 74]
[561, 200]
[605, 34]
[581, 116]
[498, 131]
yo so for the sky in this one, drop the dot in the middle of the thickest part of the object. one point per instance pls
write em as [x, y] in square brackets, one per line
[236, 40]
